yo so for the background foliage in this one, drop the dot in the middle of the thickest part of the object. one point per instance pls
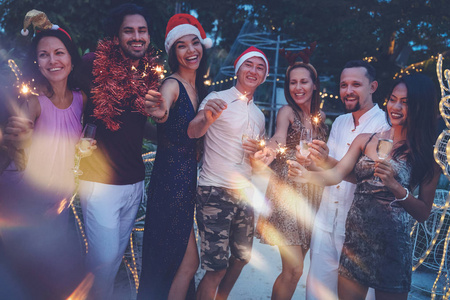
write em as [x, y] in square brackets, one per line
[344, 29]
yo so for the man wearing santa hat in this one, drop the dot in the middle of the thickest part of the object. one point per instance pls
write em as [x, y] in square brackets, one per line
[224, 210]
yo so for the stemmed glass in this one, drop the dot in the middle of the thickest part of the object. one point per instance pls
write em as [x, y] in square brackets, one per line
[384, 147]
[83, 146]
[305, 139]
[247, 135]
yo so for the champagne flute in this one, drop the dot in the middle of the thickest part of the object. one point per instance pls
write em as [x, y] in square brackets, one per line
[305, 139]
[384, 147]
[247, 135]
[87, 138]
[84, 146]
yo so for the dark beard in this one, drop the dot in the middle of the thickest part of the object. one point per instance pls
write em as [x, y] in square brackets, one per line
[356, 108]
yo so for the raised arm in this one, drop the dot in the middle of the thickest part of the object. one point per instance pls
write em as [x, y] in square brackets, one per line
[19, 129]
[158, 104]
[332, 176]
[205, 117]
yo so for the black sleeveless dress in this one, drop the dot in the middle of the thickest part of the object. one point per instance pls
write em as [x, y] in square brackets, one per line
[170, 207]
[377, 251]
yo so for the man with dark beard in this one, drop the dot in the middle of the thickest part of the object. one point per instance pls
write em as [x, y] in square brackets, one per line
[357, 85]
[117, 75]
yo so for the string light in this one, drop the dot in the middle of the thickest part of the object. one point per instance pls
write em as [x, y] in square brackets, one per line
[441, 155]
[416, 67]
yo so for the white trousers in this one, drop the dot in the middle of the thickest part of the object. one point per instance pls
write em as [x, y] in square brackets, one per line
[322, 280]
[109, 213]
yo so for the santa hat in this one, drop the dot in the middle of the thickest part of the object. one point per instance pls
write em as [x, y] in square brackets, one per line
[183, 24]
[249, 53]
[40, 22]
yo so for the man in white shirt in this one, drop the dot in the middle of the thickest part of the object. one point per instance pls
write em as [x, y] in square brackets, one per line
[357, 84]
[224, 212]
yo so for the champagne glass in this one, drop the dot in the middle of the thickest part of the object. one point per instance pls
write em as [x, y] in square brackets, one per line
[84, 146]
[384, 147]
[87, 138]
[305, 139]
[247, 135]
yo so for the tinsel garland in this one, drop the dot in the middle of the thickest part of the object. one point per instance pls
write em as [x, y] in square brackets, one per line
[118, 84]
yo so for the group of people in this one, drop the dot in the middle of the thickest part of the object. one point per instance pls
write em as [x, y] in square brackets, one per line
[113, 89]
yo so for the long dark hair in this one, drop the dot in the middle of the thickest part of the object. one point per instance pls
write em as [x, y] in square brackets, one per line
[199, 75]
[420, 125]
[32, 71]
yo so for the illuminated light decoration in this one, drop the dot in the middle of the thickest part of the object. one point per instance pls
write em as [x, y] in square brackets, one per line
[416, 67]
[369, 59]
[441, 154]
[80, 227]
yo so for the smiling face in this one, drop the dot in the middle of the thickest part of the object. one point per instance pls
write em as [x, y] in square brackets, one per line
[356, 89]
[189, 52]
[251, 74]
[54, 61]
[301, 87]
[133, 37]
[397, 105]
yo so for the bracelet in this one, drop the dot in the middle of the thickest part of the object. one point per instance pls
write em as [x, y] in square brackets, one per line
[404, 198]
[159, 119]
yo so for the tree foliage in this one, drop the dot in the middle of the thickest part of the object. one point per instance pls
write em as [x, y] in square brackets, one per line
[344, 29]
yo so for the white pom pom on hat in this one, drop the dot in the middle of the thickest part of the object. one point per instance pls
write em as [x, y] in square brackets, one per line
[180, 25]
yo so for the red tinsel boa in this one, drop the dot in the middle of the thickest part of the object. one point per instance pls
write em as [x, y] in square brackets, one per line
[117, 85]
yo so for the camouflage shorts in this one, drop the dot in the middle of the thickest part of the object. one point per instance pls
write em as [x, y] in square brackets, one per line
[225, 222]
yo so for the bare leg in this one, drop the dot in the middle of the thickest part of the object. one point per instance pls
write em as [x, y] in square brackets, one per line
[234, 269]
[292, 268]
[208, 285]
[186, 271]
[379, 295]
[351, 290]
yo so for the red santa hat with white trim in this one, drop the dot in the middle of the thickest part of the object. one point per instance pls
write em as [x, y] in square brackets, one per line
[180, 25]
[249, 53]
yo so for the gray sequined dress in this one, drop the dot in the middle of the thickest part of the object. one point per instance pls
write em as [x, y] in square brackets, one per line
[377, 251]
[292, 206]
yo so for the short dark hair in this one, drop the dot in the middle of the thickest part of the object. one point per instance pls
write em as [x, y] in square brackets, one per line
[32, 69]
[370, 70]
[116, 15]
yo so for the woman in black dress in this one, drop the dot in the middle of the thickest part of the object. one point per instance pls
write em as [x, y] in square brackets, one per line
[170, 257]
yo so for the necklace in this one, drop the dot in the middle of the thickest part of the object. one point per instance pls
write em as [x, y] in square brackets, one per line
[188, 83]
[195, 100]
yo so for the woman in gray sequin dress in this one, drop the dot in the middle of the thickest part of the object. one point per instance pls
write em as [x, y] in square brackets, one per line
[293, 206]
[377, 250]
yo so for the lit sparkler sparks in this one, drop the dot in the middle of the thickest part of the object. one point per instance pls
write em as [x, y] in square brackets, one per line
[316, 120]
[23, 87]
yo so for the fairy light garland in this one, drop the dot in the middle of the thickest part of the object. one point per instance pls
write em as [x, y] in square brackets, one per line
[441, 157]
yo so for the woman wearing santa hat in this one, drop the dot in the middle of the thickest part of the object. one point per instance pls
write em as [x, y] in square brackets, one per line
[170, 257]
[41, 248]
